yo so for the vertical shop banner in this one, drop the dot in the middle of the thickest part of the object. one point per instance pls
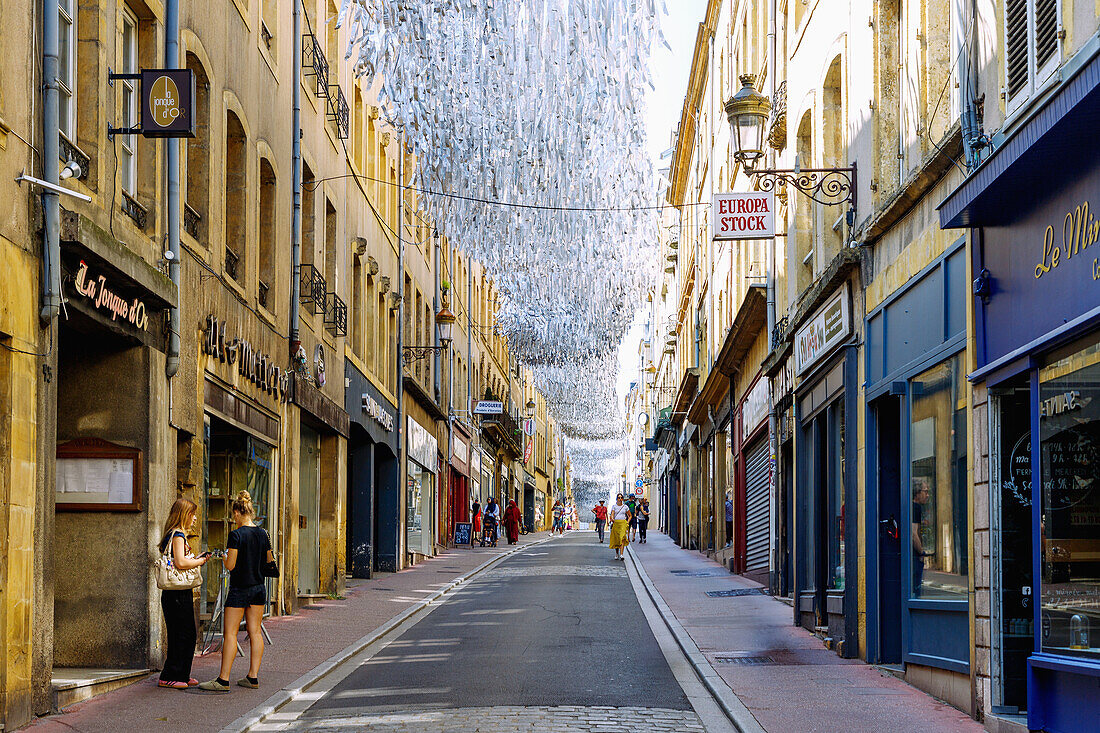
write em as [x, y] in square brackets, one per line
[744, 215]
[529, 445]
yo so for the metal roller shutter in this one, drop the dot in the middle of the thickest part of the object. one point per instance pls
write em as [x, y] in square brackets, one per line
[757, 507]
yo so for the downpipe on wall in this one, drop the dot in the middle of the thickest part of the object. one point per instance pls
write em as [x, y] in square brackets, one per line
[51, 202]
[171, 61]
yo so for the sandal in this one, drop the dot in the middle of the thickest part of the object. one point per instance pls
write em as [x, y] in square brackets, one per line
[174, 685]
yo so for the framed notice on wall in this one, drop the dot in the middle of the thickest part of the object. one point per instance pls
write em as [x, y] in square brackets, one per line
[94, 475]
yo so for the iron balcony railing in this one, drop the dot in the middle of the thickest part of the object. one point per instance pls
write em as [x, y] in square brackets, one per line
[312, 289]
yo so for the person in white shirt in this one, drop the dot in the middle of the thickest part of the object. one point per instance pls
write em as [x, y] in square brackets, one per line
[620, 526]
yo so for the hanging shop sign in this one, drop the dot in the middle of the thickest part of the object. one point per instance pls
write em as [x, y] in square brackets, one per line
[167, 99]
[378, 413]
[529, 426]
[827, 328]
[253, 365]
[97, 289]
[744, 215]
[527, 450]
[422, 445]
[488, 407]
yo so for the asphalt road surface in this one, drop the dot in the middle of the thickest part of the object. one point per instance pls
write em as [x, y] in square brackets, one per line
[552, 638]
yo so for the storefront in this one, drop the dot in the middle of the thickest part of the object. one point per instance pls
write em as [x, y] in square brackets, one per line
[917, 488]
[458, 489]
[420, 491]
[113, 456]
[826, 480]
[373, 506]
[1036, 308]
[751, 496]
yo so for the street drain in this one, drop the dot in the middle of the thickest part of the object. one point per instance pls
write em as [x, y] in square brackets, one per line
[735, 593]
[385, 589]
[700, 573]
[744, 661]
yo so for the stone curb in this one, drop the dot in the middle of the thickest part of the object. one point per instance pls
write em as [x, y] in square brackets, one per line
[726, 698]
[272, 705]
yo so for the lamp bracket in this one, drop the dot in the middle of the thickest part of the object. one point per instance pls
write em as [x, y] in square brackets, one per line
[409, 354]
[828, 186]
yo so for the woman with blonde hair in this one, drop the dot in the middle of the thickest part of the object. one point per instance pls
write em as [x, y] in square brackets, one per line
[178, 605]
[248, 552]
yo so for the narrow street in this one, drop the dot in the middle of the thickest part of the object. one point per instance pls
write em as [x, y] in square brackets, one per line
[551, 637]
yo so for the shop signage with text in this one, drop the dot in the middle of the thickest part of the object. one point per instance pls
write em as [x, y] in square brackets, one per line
[744, 215]
[755, 407]
[1080, 229]
[422, 445]
[254, 366]
[488, 407]
[96, 289]
[827, 328]
[378, 413]
[167, 96]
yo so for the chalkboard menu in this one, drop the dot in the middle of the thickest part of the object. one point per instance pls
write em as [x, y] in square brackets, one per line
[463, 533]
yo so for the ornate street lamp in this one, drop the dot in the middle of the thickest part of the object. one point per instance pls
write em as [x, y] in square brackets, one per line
[747, 111]
[444, 324]
[530, 407]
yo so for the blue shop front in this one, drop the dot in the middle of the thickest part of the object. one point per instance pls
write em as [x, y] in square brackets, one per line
[1033, 210]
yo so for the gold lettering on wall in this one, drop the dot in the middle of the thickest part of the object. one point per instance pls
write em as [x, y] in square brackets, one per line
[1080, 229]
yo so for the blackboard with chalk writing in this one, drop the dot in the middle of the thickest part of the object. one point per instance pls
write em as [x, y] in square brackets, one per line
[463, 533]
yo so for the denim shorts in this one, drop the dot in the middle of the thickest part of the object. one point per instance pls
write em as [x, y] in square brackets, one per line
[250, 595]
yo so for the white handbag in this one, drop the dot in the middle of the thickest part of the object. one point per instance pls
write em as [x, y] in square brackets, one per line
[169, 577]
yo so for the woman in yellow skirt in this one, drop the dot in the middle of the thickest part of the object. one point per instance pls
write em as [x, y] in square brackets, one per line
[620, 526]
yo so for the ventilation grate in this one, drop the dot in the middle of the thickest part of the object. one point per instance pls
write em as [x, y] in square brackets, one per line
[735, 592]
[743, 661]
[716, 573]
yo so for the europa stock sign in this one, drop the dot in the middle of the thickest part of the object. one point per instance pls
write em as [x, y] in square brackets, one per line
[744, 215]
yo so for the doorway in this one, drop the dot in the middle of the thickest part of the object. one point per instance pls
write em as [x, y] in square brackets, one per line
[887, 416]
[309, 512]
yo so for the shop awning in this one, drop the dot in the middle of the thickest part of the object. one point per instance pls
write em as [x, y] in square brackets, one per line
[1035, 155]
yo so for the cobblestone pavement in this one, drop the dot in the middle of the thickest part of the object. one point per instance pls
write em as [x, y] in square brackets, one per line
[511, 719]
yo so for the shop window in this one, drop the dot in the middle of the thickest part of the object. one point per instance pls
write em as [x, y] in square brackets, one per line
[197, 172]
[66, 67]
[236, 197]
[836, 502]
[1069, 530]
[127, 144]
[268, 232]
[937, 453]
[1032, 47]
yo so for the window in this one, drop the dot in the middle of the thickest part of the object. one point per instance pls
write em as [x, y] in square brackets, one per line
[1069, 529]
[127, 155]
[1031, 46]
[309, 215]
[236, 197]
[197, 176]
[268, 25]
[66, 67]
[268, 228]
[937, 454]
[330, 246]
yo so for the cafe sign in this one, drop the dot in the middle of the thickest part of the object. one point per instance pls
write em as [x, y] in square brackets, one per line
[256, 367]
[828, 327]
[98, 290]
[167, 100]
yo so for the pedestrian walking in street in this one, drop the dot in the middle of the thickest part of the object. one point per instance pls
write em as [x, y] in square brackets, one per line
[620, 527]
[601, 518]
[247, 556]
[511, 522]
[632, 505]
[178, 605]
[729, 520]
[559, 517]
[476, 514]
[643, 519]
[490, 520]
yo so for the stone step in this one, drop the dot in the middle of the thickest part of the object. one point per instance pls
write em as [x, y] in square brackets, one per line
[76, 684]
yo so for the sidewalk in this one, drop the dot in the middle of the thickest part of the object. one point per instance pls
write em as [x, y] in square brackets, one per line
[792, 681]
[301, 642]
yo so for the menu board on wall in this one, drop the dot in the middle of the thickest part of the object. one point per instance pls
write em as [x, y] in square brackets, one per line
[94, 475]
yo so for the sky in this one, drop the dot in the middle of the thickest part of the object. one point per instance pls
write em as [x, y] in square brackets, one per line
[670, 76]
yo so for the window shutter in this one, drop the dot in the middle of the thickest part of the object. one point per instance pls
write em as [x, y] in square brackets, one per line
[1046, 31]
[1016, 37]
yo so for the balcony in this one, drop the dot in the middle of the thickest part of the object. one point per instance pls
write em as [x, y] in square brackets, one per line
[313, 290]
[338, 110]
[315, 64]
[777, 125]
[191, 221]
[336, 315]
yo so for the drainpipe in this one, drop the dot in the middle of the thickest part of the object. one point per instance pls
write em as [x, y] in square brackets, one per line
[400, 365]
[51, 203]
[437, 357]
[296, 176]
[773, 426]
[971, 131]
[172, 61]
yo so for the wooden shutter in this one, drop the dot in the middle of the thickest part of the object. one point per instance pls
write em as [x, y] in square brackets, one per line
[1016, 38]
[1046, 31]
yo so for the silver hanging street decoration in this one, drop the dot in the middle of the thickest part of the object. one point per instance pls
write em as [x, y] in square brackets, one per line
[525, 118]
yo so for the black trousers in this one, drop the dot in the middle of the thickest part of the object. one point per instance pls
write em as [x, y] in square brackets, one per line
[643, 525]
[179, 617]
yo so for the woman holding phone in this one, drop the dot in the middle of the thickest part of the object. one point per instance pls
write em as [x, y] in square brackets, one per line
[247, 551]
[178, 605]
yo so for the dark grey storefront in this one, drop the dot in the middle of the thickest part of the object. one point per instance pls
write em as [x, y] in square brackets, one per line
[374, 502]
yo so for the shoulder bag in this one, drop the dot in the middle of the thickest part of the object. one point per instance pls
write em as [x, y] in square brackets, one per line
[169, 577]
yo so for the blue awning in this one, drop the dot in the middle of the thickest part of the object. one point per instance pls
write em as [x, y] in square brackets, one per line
[1047, 147]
